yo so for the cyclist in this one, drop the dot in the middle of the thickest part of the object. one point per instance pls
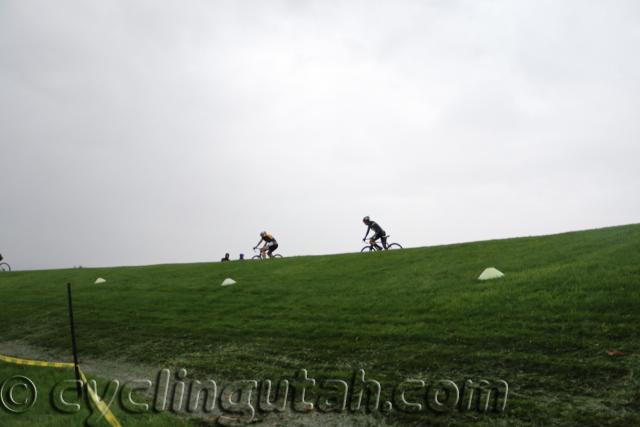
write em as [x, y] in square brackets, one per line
[226, 258]
[270, 244]
[378, 233]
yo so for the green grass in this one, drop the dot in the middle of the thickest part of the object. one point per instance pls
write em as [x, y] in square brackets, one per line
[416, 313]
[42, 413]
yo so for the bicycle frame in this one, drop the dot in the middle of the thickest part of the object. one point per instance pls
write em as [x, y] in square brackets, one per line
[372, 247]
[259, 254]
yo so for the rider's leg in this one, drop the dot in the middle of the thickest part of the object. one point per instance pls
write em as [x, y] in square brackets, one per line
[384, 242]
[373, 243]
[272, 248]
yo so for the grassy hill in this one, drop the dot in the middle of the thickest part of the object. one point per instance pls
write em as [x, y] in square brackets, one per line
[544, 328]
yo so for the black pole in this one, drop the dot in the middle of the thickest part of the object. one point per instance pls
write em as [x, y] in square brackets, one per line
[73, 342]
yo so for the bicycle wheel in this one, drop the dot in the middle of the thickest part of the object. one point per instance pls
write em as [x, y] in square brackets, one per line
[367, 249]
[394, 246]
[277, 256]
[4, 266]
[256, 257]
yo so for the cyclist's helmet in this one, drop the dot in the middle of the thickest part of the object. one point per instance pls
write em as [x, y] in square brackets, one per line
[365, 219]
[263, 233]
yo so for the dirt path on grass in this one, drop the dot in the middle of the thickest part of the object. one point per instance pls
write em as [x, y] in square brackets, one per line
[125, 371]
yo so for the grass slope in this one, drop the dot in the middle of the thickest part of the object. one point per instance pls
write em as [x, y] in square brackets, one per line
[416, 313]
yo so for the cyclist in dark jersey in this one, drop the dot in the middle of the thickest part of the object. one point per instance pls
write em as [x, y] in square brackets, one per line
[378, 233]
[270, 244]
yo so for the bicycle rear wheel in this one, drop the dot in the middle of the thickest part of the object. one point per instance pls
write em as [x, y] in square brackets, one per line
[277, 256]
[394, 246]
[4, 266]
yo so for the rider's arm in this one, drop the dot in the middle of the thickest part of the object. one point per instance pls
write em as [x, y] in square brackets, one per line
[367, 233]
[260, 241]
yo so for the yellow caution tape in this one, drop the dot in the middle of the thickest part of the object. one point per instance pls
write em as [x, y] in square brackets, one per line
[28, 362]
[104, 409]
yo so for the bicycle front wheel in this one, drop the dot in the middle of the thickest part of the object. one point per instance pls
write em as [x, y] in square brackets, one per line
[256, 257]
[394, 246]
[367, 249]
[4, 266]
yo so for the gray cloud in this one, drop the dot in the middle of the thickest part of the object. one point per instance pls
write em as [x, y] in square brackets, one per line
[146, 132]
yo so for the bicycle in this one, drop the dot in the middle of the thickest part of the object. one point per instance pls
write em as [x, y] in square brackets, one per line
[4, 266]
[259, 256]
[373, 247]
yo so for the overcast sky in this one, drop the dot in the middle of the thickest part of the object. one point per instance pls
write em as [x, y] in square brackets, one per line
[138, 132]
